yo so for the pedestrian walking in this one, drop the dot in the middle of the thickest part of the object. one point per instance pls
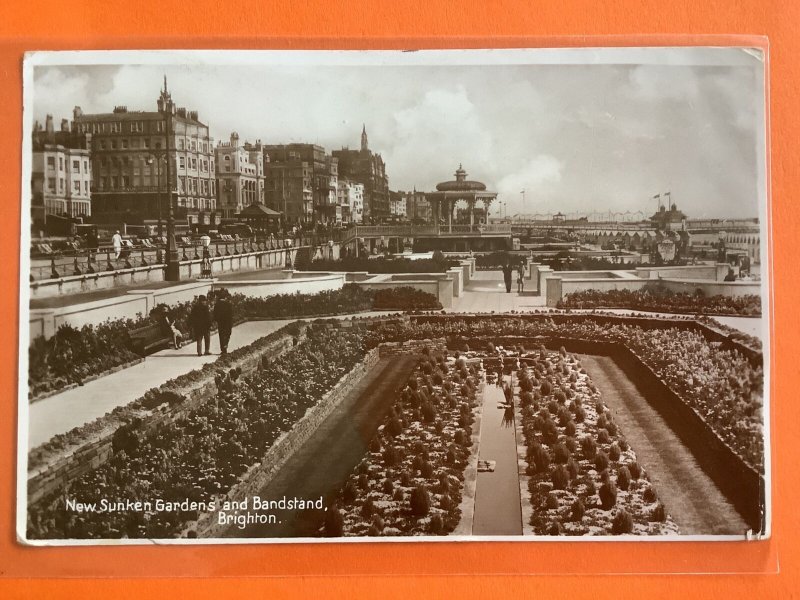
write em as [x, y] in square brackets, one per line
[223, 315]
[116, 241]
[200, 322]
[520, 277]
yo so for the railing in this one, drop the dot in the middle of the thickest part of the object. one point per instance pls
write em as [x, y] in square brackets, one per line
[371, 231]
[104, 259]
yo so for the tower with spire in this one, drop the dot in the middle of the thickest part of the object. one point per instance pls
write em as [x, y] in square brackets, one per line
[364, 142]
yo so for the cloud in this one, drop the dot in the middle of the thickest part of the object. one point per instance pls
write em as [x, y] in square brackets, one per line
[577, 138]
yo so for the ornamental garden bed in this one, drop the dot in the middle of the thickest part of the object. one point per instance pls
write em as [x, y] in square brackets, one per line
[584, 478]
[658, 298]
[201, 454]
[411, 480]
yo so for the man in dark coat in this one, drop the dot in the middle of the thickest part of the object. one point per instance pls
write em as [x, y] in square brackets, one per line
[200, 322]
[507, 272]
[223, 315]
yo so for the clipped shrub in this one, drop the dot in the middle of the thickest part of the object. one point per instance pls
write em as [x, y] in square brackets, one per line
[436, 525]
[398, 495]
[538, 458]
[603, 437]
[649, 495]
[623, 478]
[580, 414]
[426, 469]
[387, 487]
[608, 495]
[623, 444]
[428, 412]
[555, 528]
[549, 432]
[569, 428]
[591, 490]
[391, 456]
[419, 501]
[546, 388]
[334, 522]
[577, 510]
[601, 461]
[350, 492]
[588, 447]
[572, 444]
[614, 452]
[573, 468]
[659, 514]
[622, 523]
[405, 479]
[375, 444]
[368, 508]
[635, 470]
[551, 502]
[560, 454]
[560, 477]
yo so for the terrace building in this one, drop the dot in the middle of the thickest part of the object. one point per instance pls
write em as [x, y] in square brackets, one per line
[351, 199]
[366, 167]
[240, 175]
[129, 150]
[61, 174]
[300, 181]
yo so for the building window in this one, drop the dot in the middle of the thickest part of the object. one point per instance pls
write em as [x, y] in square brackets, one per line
[86, 188]
[51, 184]
[116, 127]
[61, 184]
[194, 164]
[113, 181]
[113, 144]
[102, 144]
[146, 142]
[60, 163]
[76, 166]
[51, 162]
[160, 126]
[180, 143]
[181, 162]
[76, 186]
[125, 144]
[85, 166]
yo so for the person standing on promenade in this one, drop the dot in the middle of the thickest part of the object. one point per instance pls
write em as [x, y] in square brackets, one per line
[521, 277]
[507, 271]
[116, 241]
[223, 315]
[200, 322]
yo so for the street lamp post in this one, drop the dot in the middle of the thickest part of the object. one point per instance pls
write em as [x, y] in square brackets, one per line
[156, 156]
[173, 265]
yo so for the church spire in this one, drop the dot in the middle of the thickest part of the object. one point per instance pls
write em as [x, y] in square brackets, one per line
[364, 143]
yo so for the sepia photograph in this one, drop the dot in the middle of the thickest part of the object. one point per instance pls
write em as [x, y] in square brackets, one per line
[460, 295]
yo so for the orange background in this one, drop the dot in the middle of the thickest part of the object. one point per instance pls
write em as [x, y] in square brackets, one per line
[412, 570]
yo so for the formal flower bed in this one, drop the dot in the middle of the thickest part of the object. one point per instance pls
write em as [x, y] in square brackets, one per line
[721, 385]
[200, 456]
[410, 482]
[73, 355]
[584, 478]
[658, 298]
[382, 265]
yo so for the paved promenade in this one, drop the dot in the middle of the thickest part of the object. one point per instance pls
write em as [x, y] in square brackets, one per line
[83, 404]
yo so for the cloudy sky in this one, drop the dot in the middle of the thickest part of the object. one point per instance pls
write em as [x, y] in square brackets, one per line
[576, 138]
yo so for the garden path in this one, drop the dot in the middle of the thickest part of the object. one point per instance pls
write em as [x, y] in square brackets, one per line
[486, 292]
[322, 464]
[72, 408]
[692, 499]
[497, 501]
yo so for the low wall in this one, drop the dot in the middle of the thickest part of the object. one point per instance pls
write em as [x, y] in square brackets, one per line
[714, 288]
[272, 287]
[92, 454]
[259, 475]
[128, 306]
[102, 280]
[441, 287]
[715, 272]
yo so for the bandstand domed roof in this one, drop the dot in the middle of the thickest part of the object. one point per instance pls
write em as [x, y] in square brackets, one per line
[460, 184]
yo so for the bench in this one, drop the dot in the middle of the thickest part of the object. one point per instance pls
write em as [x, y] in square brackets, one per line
[150, 338]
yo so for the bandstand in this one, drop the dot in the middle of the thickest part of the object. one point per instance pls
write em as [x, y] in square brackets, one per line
[448, 193]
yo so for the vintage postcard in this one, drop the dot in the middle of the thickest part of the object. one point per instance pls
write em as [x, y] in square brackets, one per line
[383, 296]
